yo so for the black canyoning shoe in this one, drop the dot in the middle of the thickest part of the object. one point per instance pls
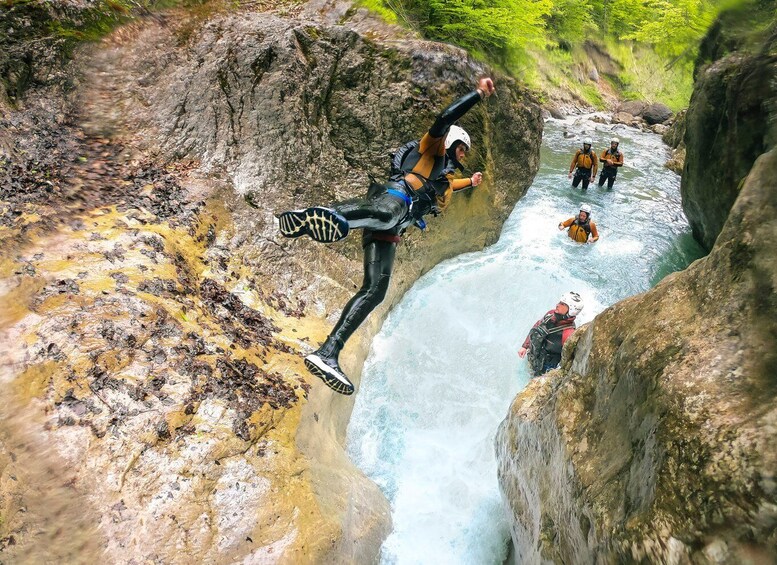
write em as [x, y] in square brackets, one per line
[321, 224]
[327, 369]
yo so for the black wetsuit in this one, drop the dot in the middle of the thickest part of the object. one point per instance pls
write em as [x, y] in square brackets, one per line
[384, 214]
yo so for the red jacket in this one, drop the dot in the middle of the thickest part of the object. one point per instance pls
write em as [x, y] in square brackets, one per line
[556, 323]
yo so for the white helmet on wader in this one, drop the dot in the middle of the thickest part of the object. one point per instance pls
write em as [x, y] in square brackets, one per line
[573, 302]
[455, 133]
[615, 140]
[587, 141]
[587, 209]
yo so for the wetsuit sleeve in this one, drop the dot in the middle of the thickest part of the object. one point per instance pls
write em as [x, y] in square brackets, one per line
[460, 184]
[594, 232]
[567, 223]
[604, 155]
[619, 162]
[594, 163]
[445, 120]
[574, 161]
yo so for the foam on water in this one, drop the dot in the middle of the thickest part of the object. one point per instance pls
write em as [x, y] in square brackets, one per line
[444, 368]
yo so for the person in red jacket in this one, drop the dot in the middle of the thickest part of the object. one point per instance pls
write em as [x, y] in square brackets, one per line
[547, 336]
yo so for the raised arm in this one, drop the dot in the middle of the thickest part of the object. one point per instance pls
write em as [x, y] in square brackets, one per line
[453, 112]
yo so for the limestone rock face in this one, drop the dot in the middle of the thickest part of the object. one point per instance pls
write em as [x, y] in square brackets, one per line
[156, 321]
[673, 137]
[657, 439]
[730, 122]
[298, 114]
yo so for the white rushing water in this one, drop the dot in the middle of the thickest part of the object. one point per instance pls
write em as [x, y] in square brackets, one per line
[444, 369]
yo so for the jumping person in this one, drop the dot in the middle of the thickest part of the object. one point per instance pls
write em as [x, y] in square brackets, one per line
[421, 183]
[581, 228]
[547, 337]
[584, 165]
[612, 160]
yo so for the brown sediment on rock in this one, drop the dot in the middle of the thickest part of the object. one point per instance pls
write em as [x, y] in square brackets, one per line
[158, 322]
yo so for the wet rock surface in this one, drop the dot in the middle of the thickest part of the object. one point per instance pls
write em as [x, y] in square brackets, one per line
[656, 440]
[656, 113]
[157, 321]
[729, 123]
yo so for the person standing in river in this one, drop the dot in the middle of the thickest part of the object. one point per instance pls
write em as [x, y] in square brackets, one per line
[421, 183]
[584, 165]
[612, 160]
[547, 337]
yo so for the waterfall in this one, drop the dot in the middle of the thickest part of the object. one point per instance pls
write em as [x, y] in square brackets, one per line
[444, 368]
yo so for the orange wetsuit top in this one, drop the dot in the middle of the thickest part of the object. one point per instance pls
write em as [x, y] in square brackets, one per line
[584, 161]
[432, 148]
[578, 232]
[617, 159]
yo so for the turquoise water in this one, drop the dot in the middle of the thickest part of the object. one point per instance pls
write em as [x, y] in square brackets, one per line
[444, 369]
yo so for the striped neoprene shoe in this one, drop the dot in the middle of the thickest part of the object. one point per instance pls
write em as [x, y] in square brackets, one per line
[330, 372]
[321, 224]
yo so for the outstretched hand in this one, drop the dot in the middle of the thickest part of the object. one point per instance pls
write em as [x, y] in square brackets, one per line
[476, 179]
[486, 86]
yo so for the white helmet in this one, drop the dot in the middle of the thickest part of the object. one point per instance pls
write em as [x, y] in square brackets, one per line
[615, 140]
[587, 209]
[455, 133]
[587, 141]
[573, 301]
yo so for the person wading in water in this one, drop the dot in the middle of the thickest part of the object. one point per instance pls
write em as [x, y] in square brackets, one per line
[612, 160]
[581, 228]
[584, 165]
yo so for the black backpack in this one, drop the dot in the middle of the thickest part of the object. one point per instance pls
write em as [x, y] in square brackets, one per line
[398, 165]
[537, 352]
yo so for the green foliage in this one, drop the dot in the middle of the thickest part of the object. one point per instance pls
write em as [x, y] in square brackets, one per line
[379, 7]
[571, 20]
[492, 27]
[648, 76]
[673, 28]
[665, 34]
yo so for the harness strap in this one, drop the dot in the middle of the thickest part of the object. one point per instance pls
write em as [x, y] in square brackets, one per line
[400, 195]
[383, 236]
